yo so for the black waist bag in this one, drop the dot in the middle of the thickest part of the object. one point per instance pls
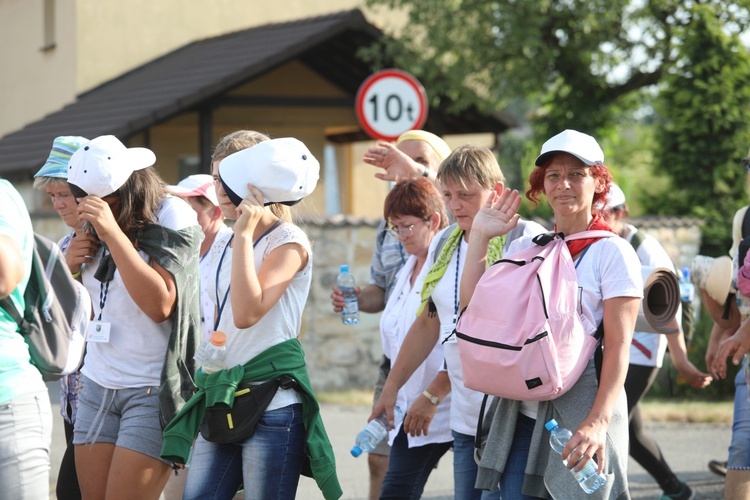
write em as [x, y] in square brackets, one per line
[231, 425]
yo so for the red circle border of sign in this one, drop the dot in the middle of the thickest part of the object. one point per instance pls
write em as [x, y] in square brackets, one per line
[370, 81]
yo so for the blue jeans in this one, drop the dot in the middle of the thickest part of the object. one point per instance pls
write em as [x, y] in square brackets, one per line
[739, 449]
[409, 468]
[268, 464]
[25, 438]
[511, 482]
[465, 470]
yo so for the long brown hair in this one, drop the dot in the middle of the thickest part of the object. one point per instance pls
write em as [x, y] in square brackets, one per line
[140, 199]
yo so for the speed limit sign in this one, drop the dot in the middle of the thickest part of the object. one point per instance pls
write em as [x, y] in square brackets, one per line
[389, 103]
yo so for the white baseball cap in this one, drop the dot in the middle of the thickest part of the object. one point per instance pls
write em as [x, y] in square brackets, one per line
[615, 197]
[196, 185]
[282, 169]
[582, 146]
[102, 165]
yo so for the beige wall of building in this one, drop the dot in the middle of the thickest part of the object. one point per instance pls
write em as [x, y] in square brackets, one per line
[88, 42]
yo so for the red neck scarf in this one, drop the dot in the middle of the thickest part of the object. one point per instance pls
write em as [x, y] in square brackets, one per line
[597, 224]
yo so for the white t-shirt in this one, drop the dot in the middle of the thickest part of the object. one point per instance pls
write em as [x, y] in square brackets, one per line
[647, 348]
[465, 403]
[398, 316]
[282, 322]
[207, 275]
[608, 269]
[134, 355]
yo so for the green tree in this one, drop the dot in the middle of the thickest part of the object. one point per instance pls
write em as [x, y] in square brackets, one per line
[578, 61]
[702, 129]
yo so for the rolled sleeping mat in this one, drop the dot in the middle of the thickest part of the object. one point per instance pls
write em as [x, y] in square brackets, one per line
[661, 298]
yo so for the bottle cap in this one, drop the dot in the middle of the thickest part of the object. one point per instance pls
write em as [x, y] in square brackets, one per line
[551, 424]
[344, 268]
[218, 338]
[356, 451]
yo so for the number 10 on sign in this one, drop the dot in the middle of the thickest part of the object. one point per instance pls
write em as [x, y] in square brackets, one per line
[389, 103]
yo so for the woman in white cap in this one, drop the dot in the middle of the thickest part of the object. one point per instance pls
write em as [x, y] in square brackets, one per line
[52, 178]
[139, 261]
[262, 276]
[647, 354]
[571, 174]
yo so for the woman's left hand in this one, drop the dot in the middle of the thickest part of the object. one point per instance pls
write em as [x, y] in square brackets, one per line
[419, 416]
[588, 440]
[499, 213]
[98, 213]
[249, 212]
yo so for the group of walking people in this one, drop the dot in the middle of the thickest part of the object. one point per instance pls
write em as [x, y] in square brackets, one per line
[437, 282]
[163, 274]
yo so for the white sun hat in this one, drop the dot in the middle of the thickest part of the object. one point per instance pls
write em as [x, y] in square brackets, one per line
[582, 146]
[102, 165]
[283, 170]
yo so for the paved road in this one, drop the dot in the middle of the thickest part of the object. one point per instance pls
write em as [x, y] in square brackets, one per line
[688, 447]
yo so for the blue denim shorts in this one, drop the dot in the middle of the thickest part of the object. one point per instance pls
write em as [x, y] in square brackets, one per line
[739, 449]
[128, 418]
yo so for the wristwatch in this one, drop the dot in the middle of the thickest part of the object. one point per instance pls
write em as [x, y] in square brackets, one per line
[433, 399]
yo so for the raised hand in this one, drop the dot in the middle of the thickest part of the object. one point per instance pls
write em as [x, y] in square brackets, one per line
[499, 213]
[397, 166]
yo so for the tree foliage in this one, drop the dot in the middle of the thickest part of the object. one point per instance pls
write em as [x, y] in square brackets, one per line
[578, 61]
[702, 129]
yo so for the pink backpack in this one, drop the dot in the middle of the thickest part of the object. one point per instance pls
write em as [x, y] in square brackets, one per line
[521, 336]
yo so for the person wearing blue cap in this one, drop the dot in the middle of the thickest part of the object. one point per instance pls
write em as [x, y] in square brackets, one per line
[52, 178]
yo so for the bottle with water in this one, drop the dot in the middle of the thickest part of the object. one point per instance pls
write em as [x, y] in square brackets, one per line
[374, 432]
[212, 354]
[345, 282]
[687, 289]
[588, 477]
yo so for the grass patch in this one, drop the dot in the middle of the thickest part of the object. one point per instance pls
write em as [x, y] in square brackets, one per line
[356, 397]
[687, 411]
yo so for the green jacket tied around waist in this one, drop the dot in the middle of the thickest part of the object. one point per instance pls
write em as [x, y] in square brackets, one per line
[218, 389]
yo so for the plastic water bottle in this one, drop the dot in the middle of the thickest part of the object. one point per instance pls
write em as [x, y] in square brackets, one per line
[212, 354]
[374, 432]
[345, 282]
[588, 477]
[687, 289]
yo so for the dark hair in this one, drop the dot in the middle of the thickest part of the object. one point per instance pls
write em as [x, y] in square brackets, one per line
[140, 199]
[598, 171]
[418, 198]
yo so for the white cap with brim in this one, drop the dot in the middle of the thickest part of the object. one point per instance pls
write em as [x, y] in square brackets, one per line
[196, 185]
[283, 170]
[714, 275]
[101, 166]
[615, 197]
[582, 146]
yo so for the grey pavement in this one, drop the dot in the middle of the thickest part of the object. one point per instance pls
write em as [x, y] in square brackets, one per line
[687, 448]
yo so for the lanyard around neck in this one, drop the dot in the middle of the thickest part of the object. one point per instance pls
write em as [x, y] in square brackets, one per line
[218, 270]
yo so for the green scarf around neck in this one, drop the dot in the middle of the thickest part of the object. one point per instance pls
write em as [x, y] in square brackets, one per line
[436, 272]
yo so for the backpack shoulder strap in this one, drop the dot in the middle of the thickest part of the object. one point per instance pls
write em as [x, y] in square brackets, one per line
[746, 224]
[636, 240]
[443, 238]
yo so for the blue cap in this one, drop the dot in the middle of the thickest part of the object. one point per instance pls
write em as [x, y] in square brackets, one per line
[63, 148]
[344, 268]
[551, 424]
[356, 451]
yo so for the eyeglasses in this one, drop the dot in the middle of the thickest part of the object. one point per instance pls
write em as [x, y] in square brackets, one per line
[745, 162]
[404, 231]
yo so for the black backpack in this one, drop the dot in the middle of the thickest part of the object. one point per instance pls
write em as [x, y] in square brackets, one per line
[52, 321]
